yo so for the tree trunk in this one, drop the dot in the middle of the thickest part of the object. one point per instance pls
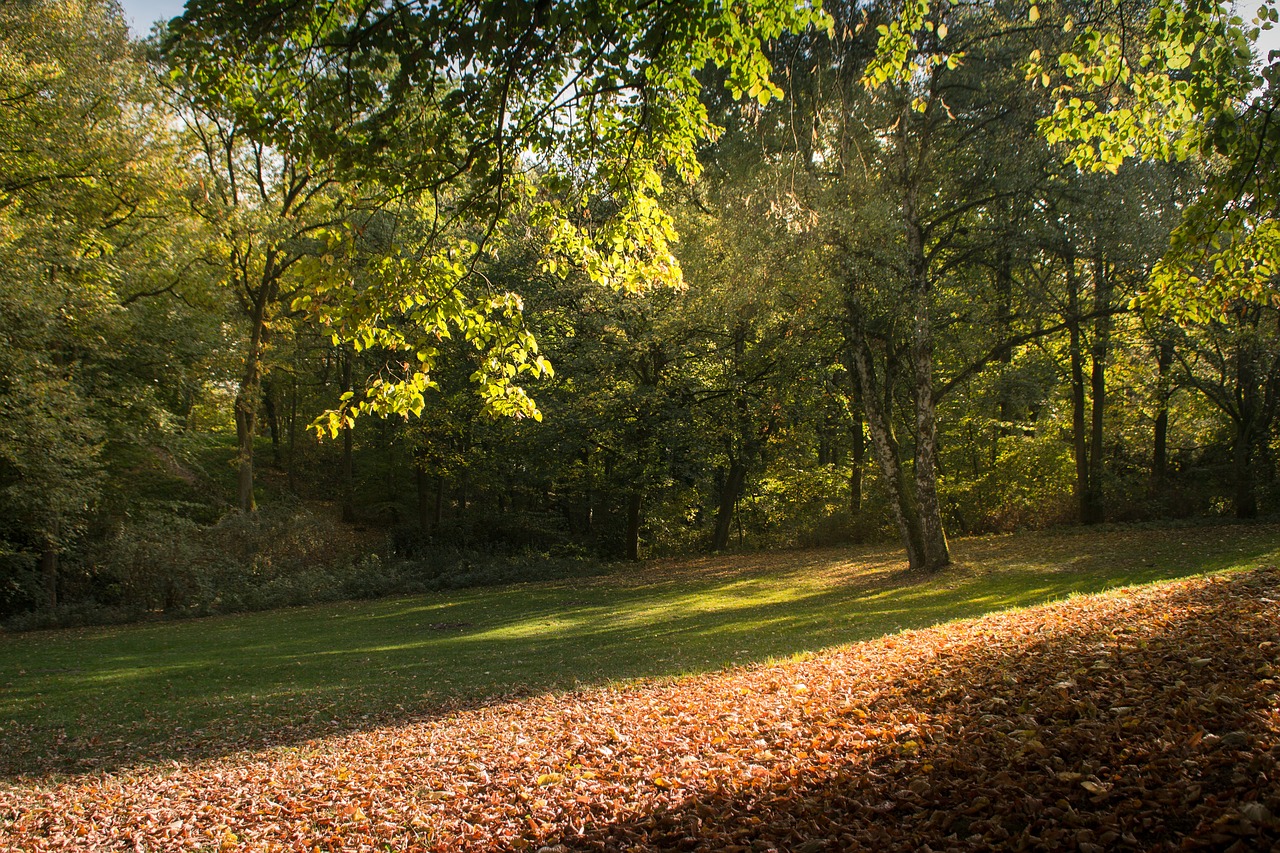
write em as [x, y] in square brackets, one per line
[634, 505]
[49, 566]
[423, 484]
[273, 420]
[293, 436]
[589, 499]
[933, 538]
[1246, 497]
[885, 446]
[1094, 506]
[437, 517]
[246, 425]
[859, 453]
[348, 469]
[1078, 438]
[729, 496]
[1248, 399]
[1160, 436]
[249, 394]
[1004, 321]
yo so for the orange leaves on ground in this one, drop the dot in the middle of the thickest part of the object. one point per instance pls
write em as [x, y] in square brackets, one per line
[1143, 720]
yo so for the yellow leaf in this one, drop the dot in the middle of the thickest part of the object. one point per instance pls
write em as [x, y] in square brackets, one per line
[550, 779]
[1034, 14]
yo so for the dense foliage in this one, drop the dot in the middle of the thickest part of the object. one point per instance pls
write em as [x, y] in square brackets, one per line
[305, 301]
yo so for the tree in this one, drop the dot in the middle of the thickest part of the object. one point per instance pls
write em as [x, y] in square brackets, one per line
[1188, 86]
[918, 178]
[472, 110]
[90, 240]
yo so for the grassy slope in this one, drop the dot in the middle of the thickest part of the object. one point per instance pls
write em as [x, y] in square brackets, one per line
[100, 699]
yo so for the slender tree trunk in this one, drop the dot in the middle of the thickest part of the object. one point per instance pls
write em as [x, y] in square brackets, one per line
[1004, 321]
[729, 496]
[1160, 436]
[1094, 504]
[885, 446]
[1250, 410]
[590, 497]
[859, 454]
[393, 470]
[348, 479]
[246, 426]
[348, 469]
[293, 436]
[634, 505]
[423, 484]
[49, 566]
[438, 515]
[273, 420]
[464, 476]
[933, 538]
[1079, 440]
[1246, 496]
[249, 394]
[936, 553]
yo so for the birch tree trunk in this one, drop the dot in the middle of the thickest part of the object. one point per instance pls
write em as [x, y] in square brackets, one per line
[884, 445]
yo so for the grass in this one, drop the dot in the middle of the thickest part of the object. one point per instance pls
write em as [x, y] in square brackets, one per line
[106, 698]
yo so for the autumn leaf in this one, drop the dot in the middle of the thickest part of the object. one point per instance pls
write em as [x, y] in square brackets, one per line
[899, 743]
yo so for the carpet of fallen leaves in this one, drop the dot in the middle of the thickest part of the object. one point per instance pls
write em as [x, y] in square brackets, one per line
[1148, 719]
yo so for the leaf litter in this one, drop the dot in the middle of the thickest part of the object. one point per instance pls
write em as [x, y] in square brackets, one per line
[1144, 719]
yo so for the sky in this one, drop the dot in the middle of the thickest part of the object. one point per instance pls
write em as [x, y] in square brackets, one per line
[141, 14]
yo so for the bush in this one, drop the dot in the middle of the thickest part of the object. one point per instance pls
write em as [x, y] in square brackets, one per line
[167, 566]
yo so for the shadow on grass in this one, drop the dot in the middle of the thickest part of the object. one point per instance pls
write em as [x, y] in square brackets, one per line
[1147, 746]
[98, 700]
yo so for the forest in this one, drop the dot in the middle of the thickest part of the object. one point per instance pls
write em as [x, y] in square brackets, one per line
[741, 426]
[305, 303]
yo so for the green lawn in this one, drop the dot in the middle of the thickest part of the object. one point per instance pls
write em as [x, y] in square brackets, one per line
[104, 698]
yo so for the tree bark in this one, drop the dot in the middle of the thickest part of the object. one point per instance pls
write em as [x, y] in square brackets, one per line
[1246, 497]
[1160, 434]
[634, 505]
[1004, 321]
[1094, 504]
[885, 446]
[933, 538]
[437, 517]
[348, 468]
[246, 407]
[1250, 409]
[49, 566]
[1079, 439]
[729, 495]
[293, 436]
[273, 420]
[249, 394]
[423, 485]
[936, 554]
[859, 453]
